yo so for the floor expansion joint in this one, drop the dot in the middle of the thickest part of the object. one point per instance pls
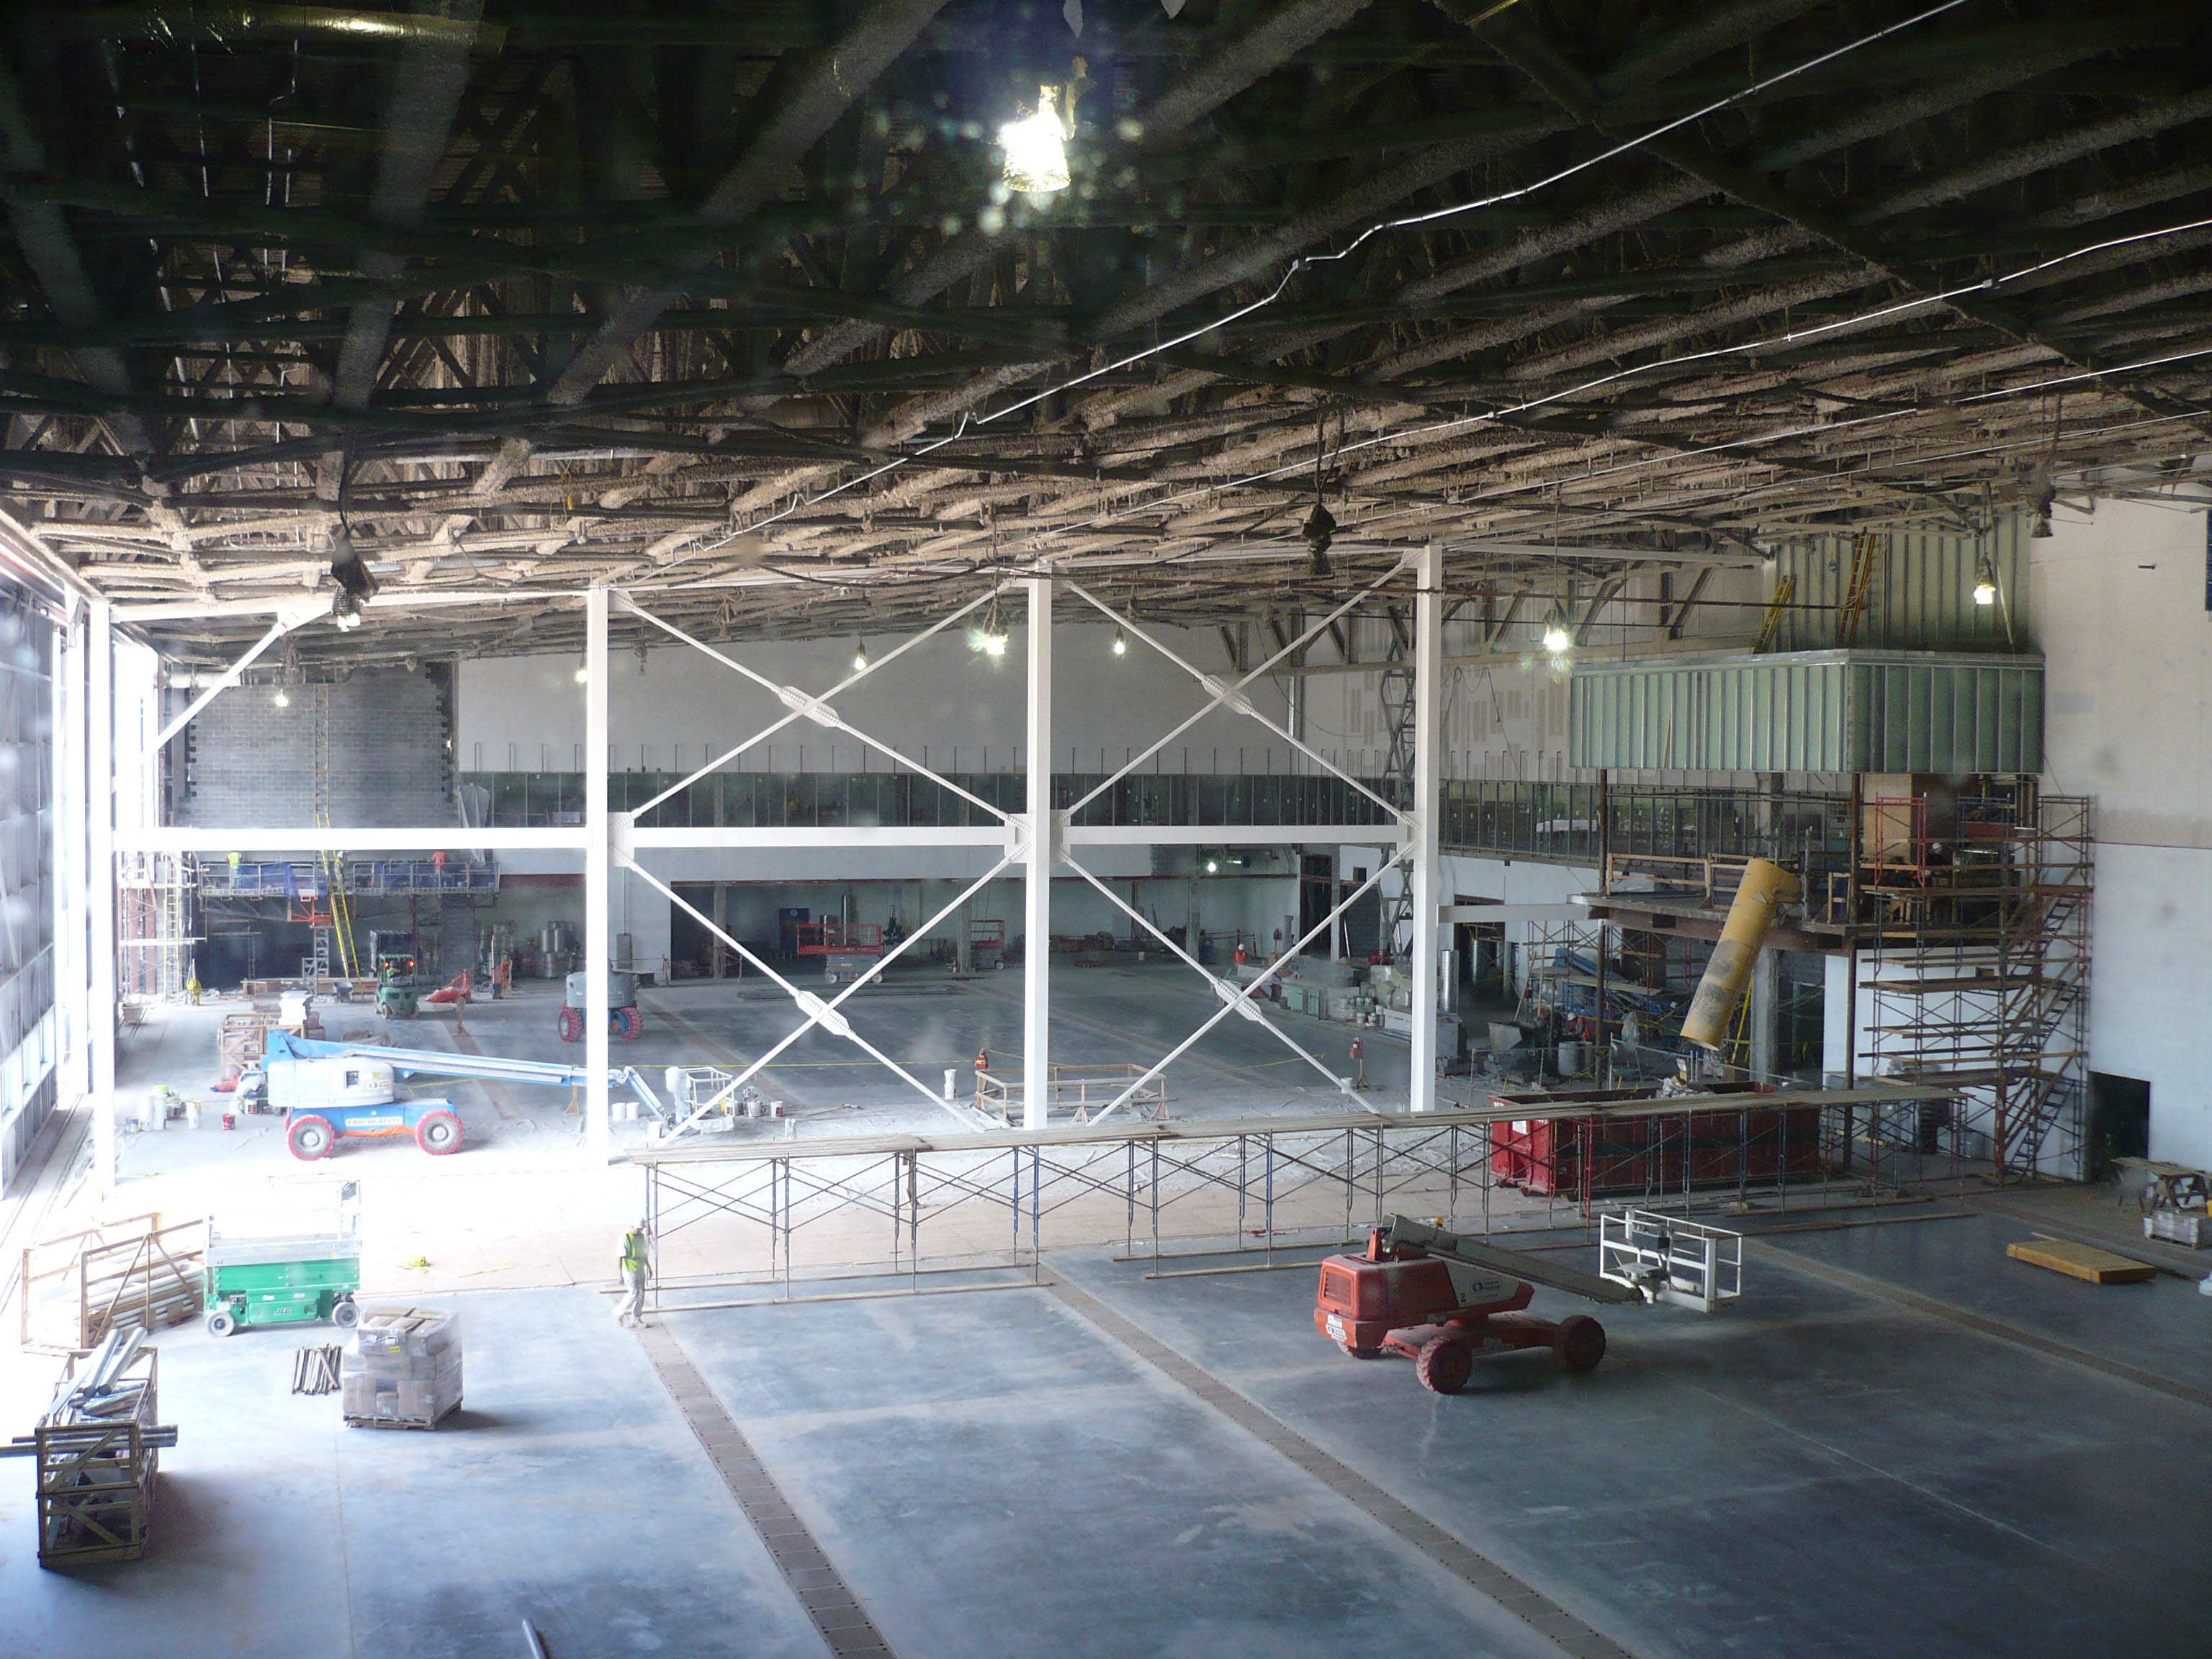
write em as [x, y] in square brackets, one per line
[821, 1588]
[1516, 1596]
[2002, 1330]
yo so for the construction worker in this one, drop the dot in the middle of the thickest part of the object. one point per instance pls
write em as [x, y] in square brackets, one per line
[631, 1312]
[1358, 1063]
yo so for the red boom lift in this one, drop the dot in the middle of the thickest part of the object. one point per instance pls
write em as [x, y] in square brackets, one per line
[1443, 1301]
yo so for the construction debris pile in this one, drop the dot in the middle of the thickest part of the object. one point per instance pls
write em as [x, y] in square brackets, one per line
[404, 1371]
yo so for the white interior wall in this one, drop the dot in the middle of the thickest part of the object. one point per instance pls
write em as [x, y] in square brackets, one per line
[2122, 598]
[962, 709]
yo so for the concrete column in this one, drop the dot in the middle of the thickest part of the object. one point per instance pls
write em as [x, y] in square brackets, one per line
[1428, 680]
[1766, 1012]
[99, 885]
[1036, 912]
[599, 937]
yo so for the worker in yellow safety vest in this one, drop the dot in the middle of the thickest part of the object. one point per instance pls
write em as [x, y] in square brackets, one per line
[634, 1268]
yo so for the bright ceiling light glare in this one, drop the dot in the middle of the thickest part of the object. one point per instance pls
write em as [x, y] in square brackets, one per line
[1557, 640]
[1213, 866]
[989, 640]
[1120, 643]
[584, 670]
[1985, 584]
[284, 698]
[859, 655]
[1036, 147]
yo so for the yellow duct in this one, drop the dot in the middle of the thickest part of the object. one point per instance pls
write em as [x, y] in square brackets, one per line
[1766, 886]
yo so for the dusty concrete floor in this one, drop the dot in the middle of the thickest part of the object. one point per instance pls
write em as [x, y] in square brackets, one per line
[1818, 1471]
[1901, 1442]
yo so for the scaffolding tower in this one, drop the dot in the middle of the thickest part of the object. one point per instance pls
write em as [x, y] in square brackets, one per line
[1973, 973]
[153, 925]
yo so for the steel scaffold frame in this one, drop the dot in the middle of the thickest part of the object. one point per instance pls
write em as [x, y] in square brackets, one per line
[1978, 979]
[1282, 1182]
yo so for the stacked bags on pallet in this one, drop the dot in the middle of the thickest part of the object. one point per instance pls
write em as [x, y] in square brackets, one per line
[404, 1368]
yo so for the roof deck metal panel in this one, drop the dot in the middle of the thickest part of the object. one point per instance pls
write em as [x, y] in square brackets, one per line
[1811, 711]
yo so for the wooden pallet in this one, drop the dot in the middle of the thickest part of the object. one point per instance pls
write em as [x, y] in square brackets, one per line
[2083, 1261]
[402, 1422]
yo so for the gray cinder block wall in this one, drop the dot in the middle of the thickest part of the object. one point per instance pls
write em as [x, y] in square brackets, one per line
[372, 749]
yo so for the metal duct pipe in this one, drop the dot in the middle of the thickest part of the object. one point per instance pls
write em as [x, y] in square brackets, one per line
[1767, 887]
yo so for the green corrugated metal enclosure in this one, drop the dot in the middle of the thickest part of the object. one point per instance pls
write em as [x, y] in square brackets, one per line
[1810, 711]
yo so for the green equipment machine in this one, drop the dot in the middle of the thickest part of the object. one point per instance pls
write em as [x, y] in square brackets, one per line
[396, 992]
[283, 1279]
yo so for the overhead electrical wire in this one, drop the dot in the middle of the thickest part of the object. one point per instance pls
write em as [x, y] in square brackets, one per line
[1305, 262]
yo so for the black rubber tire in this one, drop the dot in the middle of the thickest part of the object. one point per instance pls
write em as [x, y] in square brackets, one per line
[221, 1322]
[1579, 1343]
[1361, 1353]
[345, 1315]
[310, 1137]
[1444, 1364]
[439, 1133]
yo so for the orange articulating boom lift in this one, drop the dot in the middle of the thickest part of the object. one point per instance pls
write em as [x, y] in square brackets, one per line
[1443, 1302]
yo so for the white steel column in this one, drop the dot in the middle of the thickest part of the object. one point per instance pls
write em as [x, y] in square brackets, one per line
[70, 794]
[1036, 910]
[598, 939]
[99, 885]
[1428, 652]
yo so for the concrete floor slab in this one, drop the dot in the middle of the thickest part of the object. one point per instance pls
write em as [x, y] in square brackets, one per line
[994, 1477]
[1814, 1473]
[568, 1490]
[2162, 1324]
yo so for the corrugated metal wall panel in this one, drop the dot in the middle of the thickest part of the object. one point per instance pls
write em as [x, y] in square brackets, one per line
[1830, 711]
[1921, 597]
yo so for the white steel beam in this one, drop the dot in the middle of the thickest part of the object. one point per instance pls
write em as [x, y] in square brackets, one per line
[818, 1011]
[598, 940]
[1223, 694]
[803, 706]
[99, 861]
[1232, 834]
[344, 838]
[1232, 1006]
[1221, 987]
[1043, 853]
[72, 788]
[639, 839]
[1428, 648]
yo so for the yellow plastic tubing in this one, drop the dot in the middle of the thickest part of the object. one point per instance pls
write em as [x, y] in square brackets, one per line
[1766, 886]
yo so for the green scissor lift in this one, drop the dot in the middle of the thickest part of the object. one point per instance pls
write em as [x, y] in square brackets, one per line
[260, 1280]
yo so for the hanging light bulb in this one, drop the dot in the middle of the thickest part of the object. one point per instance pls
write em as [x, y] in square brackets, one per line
[583, 670]
[1036, 147]
[1557, 640]
[1121, 644]
[284, 698]
[991, 638]
[1985, 582]
[859, 655]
